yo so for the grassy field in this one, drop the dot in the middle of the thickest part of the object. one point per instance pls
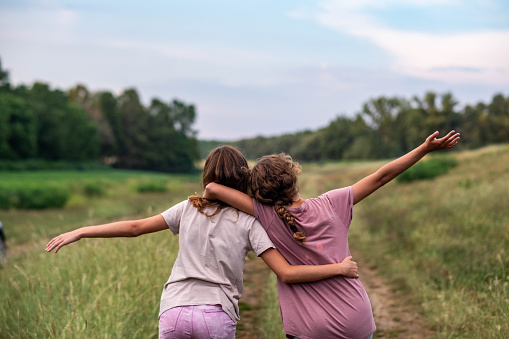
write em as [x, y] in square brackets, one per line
[441, 243]
[96, 288]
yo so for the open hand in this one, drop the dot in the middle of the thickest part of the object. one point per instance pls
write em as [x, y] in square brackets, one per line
[433, 144]
[349, 268]
[62, 240]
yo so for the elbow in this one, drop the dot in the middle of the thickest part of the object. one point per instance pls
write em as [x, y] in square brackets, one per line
[287, 278]
[210, 191]
[134, 230]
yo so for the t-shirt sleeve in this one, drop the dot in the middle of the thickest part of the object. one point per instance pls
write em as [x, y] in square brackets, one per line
[264, 213]
[341, 200]
[173, 215]
[258, 238]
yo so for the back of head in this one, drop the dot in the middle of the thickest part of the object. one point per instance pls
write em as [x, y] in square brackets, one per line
[274, 182]
[274, 179]
[227, 166]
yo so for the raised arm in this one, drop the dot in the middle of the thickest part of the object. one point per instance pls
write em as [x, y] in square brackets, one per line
[128, 228]
[232, 197]
[386, 173]
[306, 273]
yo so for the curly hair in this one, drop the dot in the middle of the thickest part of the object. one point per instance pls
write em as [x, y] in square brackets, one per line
[227, 166]
[274, 182]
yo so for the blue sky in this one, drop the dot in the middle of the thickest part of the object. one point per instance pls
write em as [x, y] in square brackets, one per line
[261, 67]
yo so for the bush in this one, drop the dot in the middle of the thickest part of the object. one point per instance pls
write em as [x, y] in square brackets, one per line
[94, 189]
[428, 169]
[151, 186]
[33, 197]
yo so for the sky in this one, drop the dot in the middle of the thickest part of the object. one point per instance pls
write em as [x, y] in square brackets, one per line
[261, 67]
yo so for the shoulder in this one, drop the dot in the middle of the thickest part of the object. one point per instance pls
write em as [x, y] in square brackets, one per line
[343, 194]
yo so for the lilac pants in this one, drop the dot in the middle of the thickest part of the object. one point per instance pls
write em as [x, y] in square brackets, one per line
[196, 322]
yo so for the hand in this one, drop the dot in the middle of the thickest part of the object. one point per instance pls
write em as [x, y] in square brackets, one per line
[349, 268]
[62, 240]
[433, 144]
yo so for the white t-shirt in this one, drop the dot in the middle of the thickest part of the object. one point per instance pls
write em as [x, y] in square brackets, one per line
[208, 269]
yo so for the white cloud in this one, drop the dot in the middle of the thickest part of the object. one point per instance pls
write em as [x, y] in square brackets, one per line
[445, 57]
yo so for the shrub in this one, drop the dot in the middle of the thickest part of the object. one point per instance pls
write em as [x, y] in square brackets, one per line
[151, 186]
[94, 189]
[428, 169]
[33, 196]
[8, 198]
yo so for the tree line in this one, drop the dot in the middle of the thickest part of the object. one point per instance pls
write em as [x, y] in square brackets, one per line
[38, 122]
[78, 125]
[387, 128]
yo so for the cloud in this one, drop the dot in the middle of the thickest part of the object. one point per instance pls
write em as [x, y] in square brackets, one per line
[445, 57]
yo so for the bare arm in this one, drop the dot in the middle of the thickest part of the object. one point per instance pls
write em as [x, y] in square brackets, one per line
[232, 197]
[128, 228]
[306, 273]
[386, 173]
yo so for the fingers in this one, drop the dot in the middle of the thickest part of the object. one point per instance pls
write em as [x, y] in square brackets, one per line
[432, 136]
[54, 243]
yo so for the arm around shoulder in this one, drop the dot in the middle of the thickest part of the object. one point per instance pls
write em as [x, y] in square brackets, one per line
[307, 273]
[232, 197]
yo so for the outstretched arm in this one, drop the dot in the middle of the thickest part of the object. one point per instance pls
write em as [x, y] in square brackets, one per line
[231, 196]
[371, 183]
[128, 228]
[306, 273]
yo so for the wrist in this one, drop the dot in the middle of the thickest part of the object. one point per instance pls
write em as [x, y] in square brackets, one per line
[341, 269]
[79, 233]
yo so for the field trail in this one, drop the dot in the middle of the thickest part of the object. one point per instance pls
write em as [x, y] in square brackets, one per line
[393, 317]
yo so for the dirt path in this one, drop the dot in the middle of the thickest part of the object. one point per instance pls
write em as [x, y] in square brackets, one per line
[394, 318]
[255, 275]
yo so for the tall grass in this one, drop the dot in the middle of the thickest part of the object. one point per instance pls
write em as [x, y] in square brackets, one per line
[445, 242]
[441, 243]
[95, 288]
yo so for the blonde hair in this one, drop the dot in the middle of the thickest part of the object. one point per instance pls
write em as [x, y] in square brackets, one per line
[274, 182]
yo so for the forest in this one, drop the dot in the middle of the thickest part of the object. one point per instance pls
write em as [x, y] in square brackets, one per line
[40, 126]
[37, 122]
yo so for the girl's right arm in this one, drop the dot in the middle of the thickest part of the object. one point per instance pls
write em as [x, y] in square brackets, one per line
[231, 196]
[128, 228]
[307, 273]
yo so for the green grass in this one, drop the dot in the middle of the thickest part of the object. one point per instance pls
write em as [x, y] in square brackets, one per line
[440, 243]
[95, 288]
[445, 242]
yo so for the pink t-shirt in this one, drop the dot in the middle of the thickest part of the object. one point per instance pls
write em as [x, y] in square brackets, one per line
[337, 307]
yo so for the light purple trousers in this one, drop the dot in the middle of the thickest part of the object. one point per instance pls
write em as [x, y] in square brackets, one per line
[196, 322]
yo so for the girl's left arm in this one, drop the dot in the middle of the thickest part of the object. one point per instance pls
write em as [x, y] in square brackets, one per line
[306, 273]
[128, 228]
[386, 173]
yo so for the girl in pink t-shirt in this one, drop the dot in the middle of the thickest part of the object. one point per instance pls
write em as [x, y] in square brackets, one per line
[315, 231]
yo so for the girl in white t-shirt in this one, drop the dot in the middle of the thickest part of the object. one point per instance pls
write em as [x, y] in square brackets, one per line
[200, 299]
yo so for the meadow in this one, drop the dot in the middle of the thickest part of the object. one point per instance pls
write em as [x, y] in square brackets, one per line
[440, 243]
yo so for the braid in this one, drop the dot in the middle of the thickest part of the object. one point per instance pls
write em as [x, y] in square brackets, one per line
[274, 182]
[288, 218]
